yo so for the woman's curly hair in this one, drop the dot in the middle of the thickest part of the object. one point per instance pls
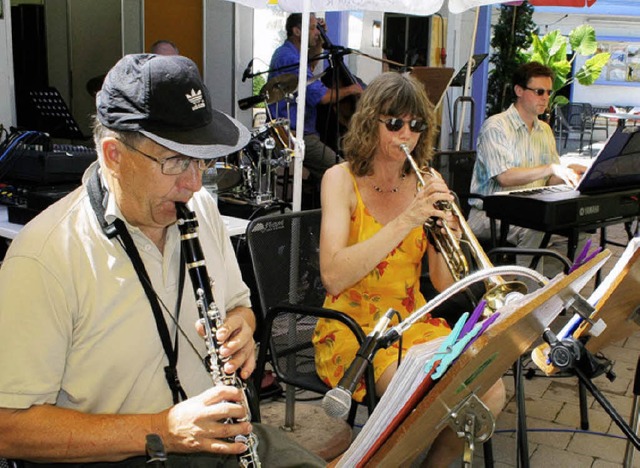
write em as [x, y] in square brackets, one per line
[390, 94]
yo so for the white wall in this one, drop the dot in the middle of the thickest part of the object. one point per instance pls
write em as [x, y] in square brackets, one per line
[364, 67]
[84, 40]
[228, 47]
[7, 92]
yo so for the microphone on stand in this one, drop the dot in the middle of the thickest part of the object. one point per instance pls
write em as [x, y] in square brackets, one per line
[250, 101]
[337, 401]
[247, 71]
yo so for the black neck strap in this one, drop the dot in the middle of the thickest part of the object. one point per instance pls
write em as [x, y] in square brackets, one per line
[117, 229]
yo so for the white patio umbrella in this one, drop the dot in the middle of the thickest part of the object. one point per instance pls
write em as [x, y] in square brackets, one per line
[415, 7]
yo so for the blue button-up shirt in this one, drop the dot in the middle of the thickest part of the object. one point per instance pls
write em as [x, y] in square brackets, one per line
[288, 55]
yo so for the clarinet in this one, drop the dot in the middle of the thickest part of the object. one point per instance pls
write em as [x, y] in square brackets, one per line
[212, 319]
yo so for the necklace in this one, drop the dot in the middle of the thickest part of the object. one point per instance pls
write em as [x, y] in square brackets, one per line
[394, 189]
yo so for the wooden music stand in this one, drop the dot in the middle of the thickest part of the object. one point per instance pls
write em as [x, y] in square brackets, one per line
[618, 307]
[481, 365]
[435, 80]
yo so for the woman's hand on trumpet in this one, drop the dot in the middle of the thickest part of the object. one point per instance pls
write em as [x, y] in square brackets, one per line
[452, 223]
[425, 204]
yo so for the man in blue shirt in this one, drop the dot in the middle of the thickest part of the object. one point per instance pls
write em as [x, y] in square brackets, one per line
[286, 59]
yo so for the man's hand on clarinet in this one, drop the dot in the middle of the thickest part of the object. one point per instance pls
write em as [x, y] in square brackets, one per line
[201, 423]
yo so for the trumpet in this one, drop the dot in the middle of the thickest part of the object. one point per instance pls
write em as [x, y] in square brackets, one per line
[445, 241]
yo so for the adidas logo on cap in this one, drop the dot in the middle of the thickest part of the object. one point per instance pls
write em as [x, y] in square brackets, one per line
[196, 99]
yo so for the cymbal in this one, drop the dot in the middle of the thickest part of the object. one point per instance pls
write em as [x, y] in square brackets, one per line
[278, 87]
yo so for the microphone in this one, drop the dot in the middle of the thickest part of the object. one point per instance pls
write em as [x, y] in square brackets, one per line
[337, 401]
[247, 71]
[249, 102]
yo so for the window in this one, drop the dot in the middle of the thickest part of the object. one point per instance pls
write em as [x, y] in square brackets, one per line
[624, 64]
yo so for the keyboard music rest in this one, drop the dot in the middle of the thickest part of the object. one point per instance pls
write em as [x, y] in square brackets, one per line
[564, 213]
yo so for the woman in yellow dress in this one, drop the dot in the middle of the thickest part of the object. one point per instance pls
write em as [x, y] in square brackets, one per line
[372, 239]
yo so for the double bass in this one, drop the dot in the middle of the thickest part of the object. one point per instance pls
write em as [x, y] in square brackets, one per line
[333, 119]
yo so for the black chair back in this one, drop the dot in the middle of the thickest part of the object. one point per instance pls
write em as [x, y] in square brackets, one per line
[284, 250]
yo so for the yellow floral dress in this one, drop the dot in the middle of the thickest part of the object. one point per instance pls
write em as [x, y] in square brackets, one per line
[393, 283]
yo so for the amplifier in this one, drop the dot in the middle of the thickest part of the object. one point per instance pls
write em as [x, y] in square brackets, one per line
[35, 200]
[50, 167]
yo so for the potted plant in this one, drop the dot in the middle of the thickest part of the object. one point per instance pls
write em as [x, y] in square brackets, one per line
[551, 50]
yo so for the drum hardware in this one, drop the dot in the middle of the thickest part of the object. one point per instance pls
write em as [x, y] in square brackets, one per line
[271, 145]
[268, 149]
[253, 172]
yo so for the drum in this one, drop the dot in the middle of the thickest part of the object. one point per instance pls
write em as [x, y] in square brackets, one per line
[279, 131]
[227, 177]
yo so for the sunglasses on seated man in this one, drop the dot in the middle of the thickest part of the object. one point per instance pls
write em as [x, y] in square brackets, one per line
[540, 91]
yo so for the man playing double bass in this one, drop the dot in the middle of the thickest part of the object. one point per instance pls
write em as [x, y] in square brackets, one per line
[286, 59]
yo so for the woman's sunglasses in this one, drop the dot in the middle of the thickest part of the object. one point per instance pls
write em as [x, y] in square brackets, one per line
[395, 124]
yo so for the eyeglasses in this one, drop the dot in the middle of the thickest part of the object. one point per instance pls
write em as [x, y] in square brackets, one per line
[174, 165]
[540, 91]
[395, 124]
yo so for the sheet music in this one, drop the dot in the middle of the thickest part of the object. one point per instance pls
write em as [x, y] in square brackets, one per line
[603, 288]
[615, 272]
[403, 385]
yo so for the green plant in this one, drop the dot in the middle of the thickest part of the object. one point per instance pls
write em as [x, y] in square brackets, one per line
[511, 33]
[551, 50]
[258, 82]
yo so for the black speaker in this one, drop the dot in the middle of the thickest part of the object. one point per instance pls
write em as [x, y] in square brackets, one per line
[30, 66]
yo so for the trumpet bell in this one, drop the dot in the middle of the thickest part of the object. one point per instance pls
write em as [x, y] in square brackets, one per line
[502, 293]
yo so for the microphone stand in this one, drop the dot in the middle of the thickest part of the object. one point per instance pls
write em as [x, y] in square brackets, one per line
[395, 332]
[335, 54]
[293, 66]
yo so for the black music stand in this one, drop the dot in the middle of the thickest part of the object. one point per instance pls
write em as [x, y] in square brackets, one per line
[460, 78]
[47, 112]
[573, 356]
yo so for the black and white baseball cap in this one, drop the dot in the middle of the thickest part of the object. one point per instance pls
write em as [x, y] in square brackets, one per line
[163, 97]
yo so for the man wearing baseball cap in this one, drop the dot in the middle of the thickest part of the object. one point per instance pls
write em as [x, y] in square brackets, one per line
[99, 347]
